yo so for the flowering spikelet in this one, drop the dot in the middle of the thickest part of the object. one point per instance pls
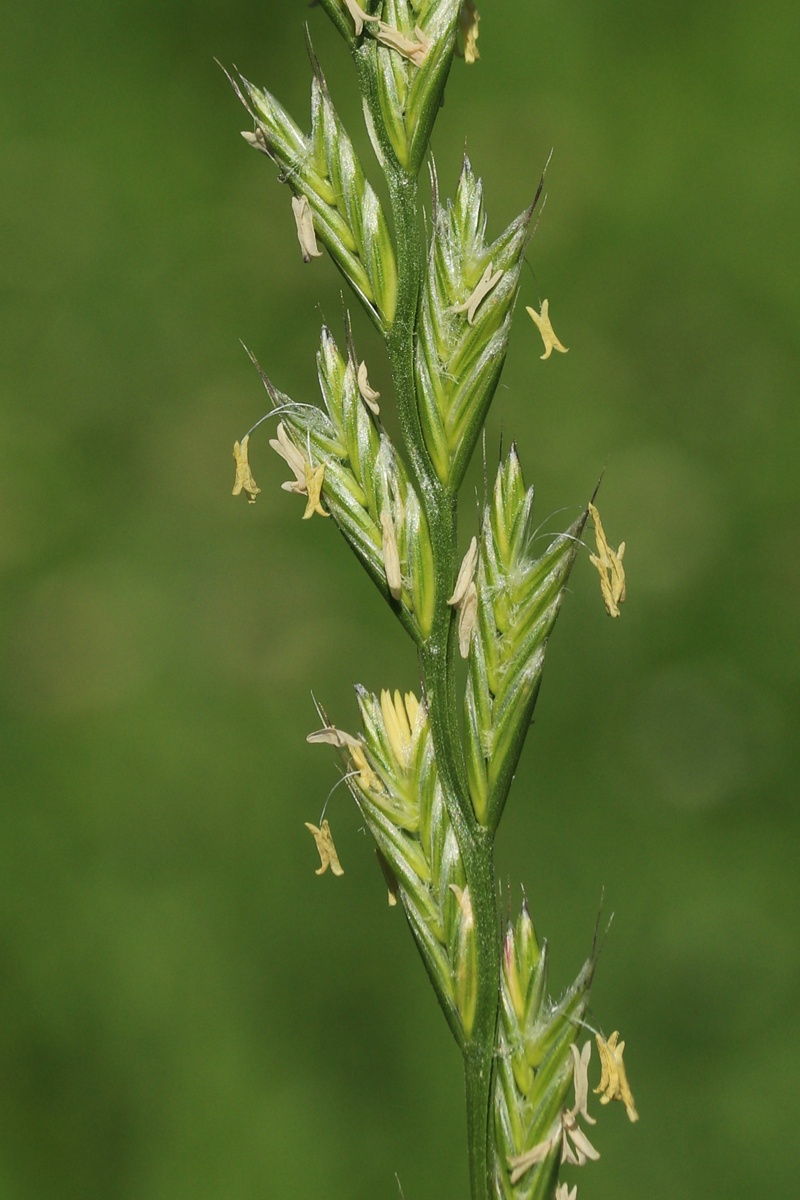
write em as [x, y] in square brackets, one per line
[333, 200]
[393, 777]
[465, 321]
[518, 600]
[409, 61]
[537, 1064]
[366, 487]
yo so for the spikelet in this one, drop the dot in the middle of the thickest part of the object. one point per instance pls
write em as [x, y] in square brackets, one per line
[324, 170]
[536, 1068]
[393, 778]
[465, 321]
[519, 597]
[364, 481]
[405, 48]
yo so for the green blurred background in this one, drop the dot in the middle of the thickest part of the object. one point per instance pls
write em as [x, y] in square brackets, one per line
[189, 1013]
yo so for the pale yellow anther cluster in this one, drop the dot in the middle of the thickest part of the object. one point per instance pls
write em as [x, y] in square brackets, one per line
[487, 283]
[283, 445]
[465, 599]
[244, 476]
[327, 851]
[542, 322]
[315, 477]
[609, 566]
[256, 140]
[367, 393]
[308, 480]
[304, 221]
[566, 1133]
[391, 556]
[367, 778]
[614, 1080]
[402, 720]
[331, 736]
[358, 15]
[468, 19]
[415, 51]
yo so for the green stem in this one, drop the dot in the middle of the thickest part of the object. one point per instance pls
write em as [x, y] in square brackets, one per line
[438, 658]
[476, 846]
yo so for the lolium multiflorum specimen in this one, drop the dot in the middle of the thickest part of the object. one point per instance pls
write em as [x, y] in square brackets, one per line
[430, 774]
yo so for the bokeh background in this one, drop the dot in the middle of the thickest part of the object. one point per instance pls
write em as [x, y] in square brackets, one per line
[187, 1011]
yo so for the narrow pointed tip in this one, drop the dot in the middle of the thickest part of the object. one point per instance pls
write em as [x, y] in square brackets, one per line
[245, 82]
[577, 527]
[532, 209]
[235, 84]
[580, 524]
[226, 72]
[314, 60]
[321, 713]
[272, 391]
[597, 486]
[598, 940]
